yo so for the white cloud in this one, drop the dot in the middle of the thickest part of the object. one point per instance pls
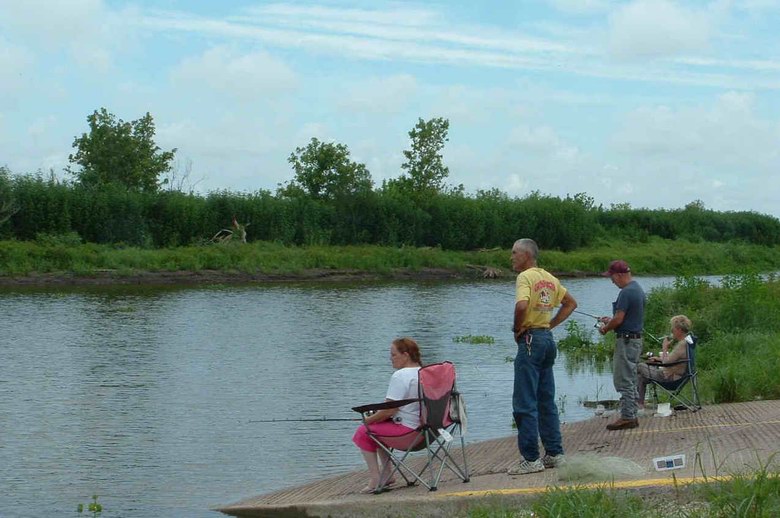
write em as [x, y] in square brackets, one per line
[542, 141]
[240, 154]
[515, 185]
[223, 139]
[581, 6]
[464, 105]
[15, 63]
[644, 28]
[405, 17]
[429, 44]
[41, 126]
[383, 95]
[757, 7]
[658, 28]
[51, 21]
[308, 130]
[398, 24]
[728, 133]
[723, 153]
[249, 76]
[88, 29]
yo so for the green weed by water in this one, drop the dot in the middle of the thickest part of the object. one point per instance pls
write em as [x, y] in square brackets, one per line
[474, 339]
[582, 352]
[579, 342]
[94, 507]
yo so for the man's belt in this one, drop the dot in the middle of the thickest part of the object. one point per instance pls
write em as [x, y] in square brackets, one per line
[536, 329]
[629, 335]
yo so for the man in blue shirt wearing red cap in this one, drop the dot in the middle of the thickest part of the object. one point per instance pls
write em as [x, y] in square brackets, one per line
[628, 313]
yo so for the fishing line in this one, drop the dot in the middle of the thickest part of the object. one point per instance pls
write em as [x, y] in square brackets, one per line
[306, 420]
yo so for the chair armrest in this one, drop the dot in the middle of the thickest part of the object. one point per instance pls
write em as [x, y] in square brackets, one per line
[383, 406]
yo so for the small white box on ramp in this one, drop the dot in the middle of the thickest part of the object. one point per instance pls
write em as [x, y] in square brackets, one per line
[669, 462]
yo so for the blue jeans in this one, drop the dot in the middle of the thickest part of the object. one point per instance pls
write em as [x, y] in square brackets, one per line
[533, 400]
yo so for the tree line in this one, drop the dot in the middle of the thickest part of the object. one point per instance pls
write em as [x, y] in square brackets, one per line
[122, 191]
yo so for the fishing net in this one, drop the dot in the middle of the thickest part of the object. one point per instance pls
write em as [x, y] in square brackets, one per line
[595, 468]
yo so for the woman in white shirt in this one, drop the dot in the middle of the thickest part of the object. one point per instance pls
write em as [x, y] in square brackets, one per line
[392, 422]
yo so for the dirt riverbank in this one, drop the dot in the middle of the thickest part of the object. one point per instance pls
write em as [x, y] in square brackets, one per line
[207, 277]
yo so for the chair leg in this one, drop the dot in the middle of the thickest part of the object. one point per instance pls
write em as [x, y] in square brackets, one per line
[695, 385]
[465, 462]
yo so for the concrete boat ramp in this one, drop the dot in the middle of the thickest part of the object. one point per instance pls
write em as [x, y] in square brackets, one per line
[717, 440]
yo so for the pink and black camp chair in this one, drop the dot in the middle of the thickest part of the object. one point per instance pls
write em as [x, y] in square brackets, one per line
[440, 422]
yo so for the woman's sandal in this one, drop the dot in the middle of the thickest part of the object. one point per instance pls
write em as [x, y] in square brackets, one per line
[372, 490]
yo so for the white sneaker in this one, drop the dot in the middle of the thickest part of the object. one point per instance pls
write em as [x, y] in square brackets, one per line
[526, 467]
[554, 461]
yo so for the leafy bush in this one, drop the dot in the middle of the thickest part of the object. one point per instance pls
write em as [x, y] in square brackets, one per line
[451, 220]
[738, 324]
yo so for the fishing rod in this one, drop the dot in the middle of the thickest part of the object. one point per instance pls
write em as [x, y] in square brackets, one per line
[305, 420]
[648, 333]
[598, 319]
[587, 314]
[503, 292]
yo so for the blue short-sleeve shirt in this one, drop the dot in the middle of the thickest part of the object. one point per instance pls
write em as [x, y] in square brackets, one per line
[631, 300]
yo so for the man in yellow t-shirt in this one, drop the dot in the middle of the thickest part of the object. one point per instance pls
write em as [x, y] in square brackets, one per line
[538, 293]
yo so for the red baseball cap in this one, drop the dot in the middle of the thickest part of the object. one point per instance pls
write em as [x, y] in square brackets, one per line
[618, 266]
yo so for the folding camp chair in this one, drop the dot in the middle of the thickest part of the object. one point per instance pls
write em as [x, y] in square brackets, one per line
[442, 418]
[674, 389]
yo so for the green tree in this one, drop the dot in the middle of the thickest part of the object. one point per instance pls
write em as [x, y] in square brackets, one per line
[115, 151]
[424, 162]
[7, 206]
[324, 171]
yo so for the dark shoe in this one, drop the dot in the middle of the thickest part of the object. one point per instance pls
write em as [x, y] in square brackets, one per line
[623, 424]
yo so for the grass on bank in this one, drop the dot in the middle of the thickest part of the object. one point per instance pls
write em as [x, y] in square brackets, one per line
[52, 254]
[743, 495]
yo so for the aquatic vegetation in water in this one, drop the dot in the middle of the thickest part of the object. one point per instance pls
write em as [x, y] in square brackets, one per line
[474, 339]
[579, 340]
[93, 507]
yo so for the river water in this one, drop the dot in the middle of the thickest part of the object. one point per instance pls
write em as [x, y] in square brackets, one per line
[147, 396]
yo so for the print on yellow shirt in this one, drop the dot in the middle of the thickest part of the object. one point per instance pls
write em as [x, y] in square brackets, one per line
[543, 293]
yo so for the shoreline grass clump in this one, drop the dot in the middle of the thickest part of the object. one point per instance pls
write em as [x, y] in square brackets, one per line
[744, 495]
[474, 339]
[582, 353]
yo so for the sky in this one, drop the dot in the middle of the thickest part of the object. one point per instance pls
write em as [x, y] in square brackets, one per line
[652, 103]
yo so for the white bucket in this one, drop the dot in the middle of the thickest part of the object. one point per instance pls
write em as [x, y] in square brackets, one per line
[663, 410]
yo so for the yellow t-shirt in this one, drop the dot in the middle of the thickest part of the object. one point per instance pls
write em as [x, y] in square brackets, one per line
[543, 293]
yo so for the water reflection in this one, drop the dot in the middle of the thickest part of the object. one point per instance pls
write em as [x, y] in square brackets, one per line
[145, 396]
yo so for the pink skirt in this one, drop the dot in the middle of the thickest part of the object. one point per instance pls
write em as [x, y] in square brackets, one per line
[385, 428]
